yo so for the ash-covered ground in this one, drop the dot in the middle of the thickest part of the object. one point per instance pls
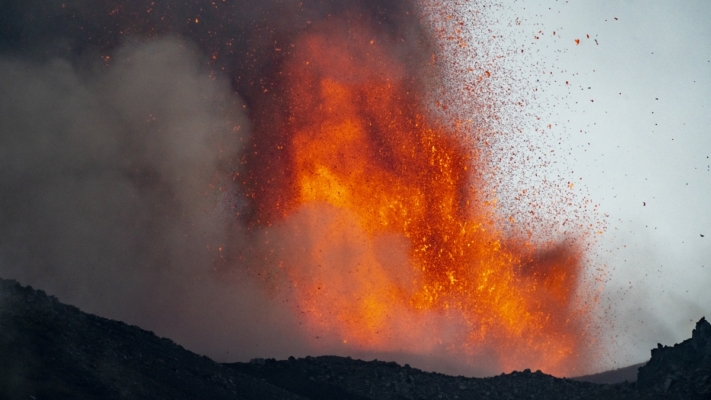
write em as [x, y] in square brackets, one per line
[49, 350]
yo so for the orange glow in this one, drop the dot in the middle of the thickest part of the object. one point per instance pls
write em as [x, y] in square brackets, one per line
[385, 236]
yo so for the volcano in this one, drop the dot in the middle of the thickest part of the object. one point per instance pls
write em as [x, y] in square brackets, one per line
[326, 168]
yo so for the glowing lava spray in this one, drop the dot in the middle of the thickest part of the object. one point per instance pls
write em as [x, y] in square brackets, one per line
[374, 215]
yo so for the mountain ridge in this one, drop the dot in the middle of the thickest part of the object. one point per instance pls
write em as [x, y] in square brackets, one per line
[49, 350]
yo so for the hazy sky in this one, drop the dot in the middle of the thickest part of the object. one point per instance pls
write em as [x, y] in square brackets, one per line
[640, 91]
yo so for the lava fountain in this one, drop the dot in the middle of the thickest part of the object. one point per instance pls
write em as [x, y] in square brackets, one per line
[373, 214]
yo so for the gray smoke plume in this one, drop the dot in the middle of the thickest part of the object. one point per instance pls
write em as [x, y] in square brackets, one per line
[115, 190]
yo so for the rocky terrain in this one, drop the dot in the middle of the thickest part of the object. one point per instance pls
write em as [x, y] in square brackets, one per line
[49, 350]
[682, 370]
[341, 378]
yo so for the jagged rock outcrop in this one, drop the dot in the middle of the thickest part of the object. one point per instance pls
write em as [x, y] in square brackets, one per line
[681, 371]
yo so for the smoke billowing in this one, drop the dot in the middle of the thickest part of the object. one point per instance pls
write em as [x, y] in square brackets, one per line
[115, 193]
[122, 127]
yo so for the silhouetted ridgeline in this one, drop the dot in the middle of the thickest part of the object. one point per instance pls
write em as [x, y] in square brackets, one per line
[49, 350]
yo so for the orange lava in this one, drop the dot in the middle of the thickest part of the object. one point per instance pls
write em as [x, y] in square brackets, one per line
[385, 239]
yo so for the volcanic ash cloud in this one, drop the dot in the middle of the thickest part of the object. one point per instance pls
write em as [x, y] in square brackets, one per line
[113, 182]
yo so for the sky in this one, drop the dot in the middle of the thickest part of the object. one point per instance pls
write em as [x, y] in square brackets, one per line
[635, 120]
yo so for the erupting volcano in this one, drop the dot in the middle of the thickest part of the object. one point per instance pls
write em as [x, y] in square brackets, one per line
[373, 211]
[292, 177]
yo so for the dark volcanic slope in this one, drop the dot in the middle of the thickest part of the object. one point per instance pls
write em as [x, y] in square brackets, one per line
[49, 350]
[618, 375]
[322, 378]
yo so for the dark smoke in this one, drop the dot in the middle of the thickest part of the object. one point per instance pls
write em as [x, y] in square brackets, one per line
[122, 124]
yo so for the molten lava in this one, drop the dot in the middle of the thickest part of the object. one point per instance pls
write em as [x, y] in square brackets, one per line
[377, 219]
